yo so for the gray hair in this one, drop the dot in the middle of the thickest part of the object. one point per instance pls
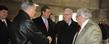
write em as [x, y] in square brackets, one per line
[25, 5]
[68, 10]
[84, 12]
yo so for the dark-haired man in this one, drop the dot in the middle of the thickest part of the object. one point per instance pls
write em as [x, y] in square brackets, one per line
[25, 32]
[46, 25]
[4, 23]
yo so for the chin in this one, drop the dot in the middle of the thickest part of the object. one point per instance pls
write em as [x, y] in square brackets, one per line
[4, 18]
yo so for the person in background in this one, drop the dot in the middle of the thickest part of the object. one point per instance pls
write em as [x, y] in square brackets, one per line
[52, 17]
[90, 32]
[4, 24]
[66, 29]
[23, 29]
[45, 24]
[104, 28]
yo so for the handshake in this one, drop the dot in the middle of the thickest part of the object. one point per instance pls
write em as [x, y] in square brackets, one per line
[50, 39]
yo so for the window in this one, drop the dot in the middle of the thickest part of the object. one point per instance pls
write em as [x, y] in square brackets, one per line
[73, 17]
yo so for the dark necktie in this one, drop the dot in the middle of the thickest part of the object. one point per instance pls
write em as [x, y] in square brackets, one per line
[4, 23]
[3, 27]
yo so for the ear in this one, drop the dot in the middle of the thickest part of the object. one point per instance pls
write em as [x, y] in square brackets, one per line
[42, 12]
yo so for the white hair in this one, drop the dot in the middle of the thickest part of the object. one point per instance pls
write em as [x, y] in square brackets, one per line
[27, 4]
[68, 10]
[84, 12]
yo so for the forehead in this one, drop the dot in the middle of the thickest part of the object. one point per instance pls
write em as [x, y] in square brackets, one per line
[66, 12]
[33, 6]
[48, 10]
[3, 11]
[79, 16]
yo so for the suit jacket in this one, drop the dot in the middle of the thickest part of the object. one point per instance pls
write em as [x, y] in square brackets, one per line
[4, 32]
[41, 26]
[24, 31]
[91, 34]
[65, 33]
[104, 29]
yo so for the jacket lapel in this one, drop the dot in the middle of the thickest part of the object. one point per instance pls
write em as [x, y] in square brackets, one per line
[43, 24]
[83, 31]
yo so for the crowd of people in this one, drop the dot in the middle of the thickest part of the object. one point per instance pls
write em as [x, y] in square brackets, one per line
[43, 30]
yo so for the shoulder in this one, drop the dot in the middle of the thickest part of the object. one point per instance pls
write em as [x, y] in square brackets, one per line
[93, 26]
[36, 19]
[61, 23]
[74, 23]
[94, 32]
[8, 21]
[26, 22]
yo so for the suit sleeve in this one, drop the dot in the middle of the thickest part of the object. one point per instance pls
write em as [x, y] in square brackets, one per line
[95, 36]
[34, 34]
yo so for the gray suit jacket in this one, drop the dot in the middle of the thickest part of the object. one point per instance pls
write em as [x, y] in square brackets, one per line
[91, 34]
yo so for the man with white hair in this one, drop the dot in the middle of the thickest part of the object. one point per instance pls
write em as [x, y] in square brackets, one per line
[90, 32]
[24, 30]
[66, 28]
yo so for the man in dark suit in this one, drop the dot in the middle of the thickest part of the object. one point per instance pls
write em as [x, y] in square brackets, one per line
[23, 29]
[66, 28]
[46, 25]
[4, 23]
[104, 29]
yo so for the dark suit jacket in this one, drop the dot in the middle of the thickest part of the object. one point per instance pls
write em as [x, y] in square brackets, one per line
[66, 33]
[24, 31]
[104, 29]
[4, 32]
[41, 26]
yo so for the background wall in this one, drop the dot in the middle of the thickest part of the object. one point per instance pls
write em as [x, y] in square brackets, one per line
[99, 8]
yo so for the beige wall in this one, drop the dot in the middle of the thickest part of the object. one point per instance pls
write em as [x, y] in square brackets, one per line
[57, 7]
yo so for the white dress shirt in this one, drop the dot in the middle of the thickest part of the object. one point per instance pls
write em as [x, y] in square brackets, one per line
[3, 20]
[83, 25]
[45, 22]
[69, 22]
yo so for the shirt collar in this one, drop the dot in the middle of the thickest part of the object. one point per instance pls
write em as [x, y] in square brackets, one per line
[2, 20]
[43, 18]
[69, 22]
[84, 23]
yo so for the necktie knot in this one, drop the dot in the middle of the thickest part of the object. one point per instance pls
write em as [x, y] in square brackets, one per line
[4, 21]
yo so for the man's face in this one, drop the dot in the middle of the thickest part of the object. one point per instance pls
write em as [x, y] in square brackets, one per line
[32, 11]
[67, 16]
[47, 13]
[79, 19]
[3, 14]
